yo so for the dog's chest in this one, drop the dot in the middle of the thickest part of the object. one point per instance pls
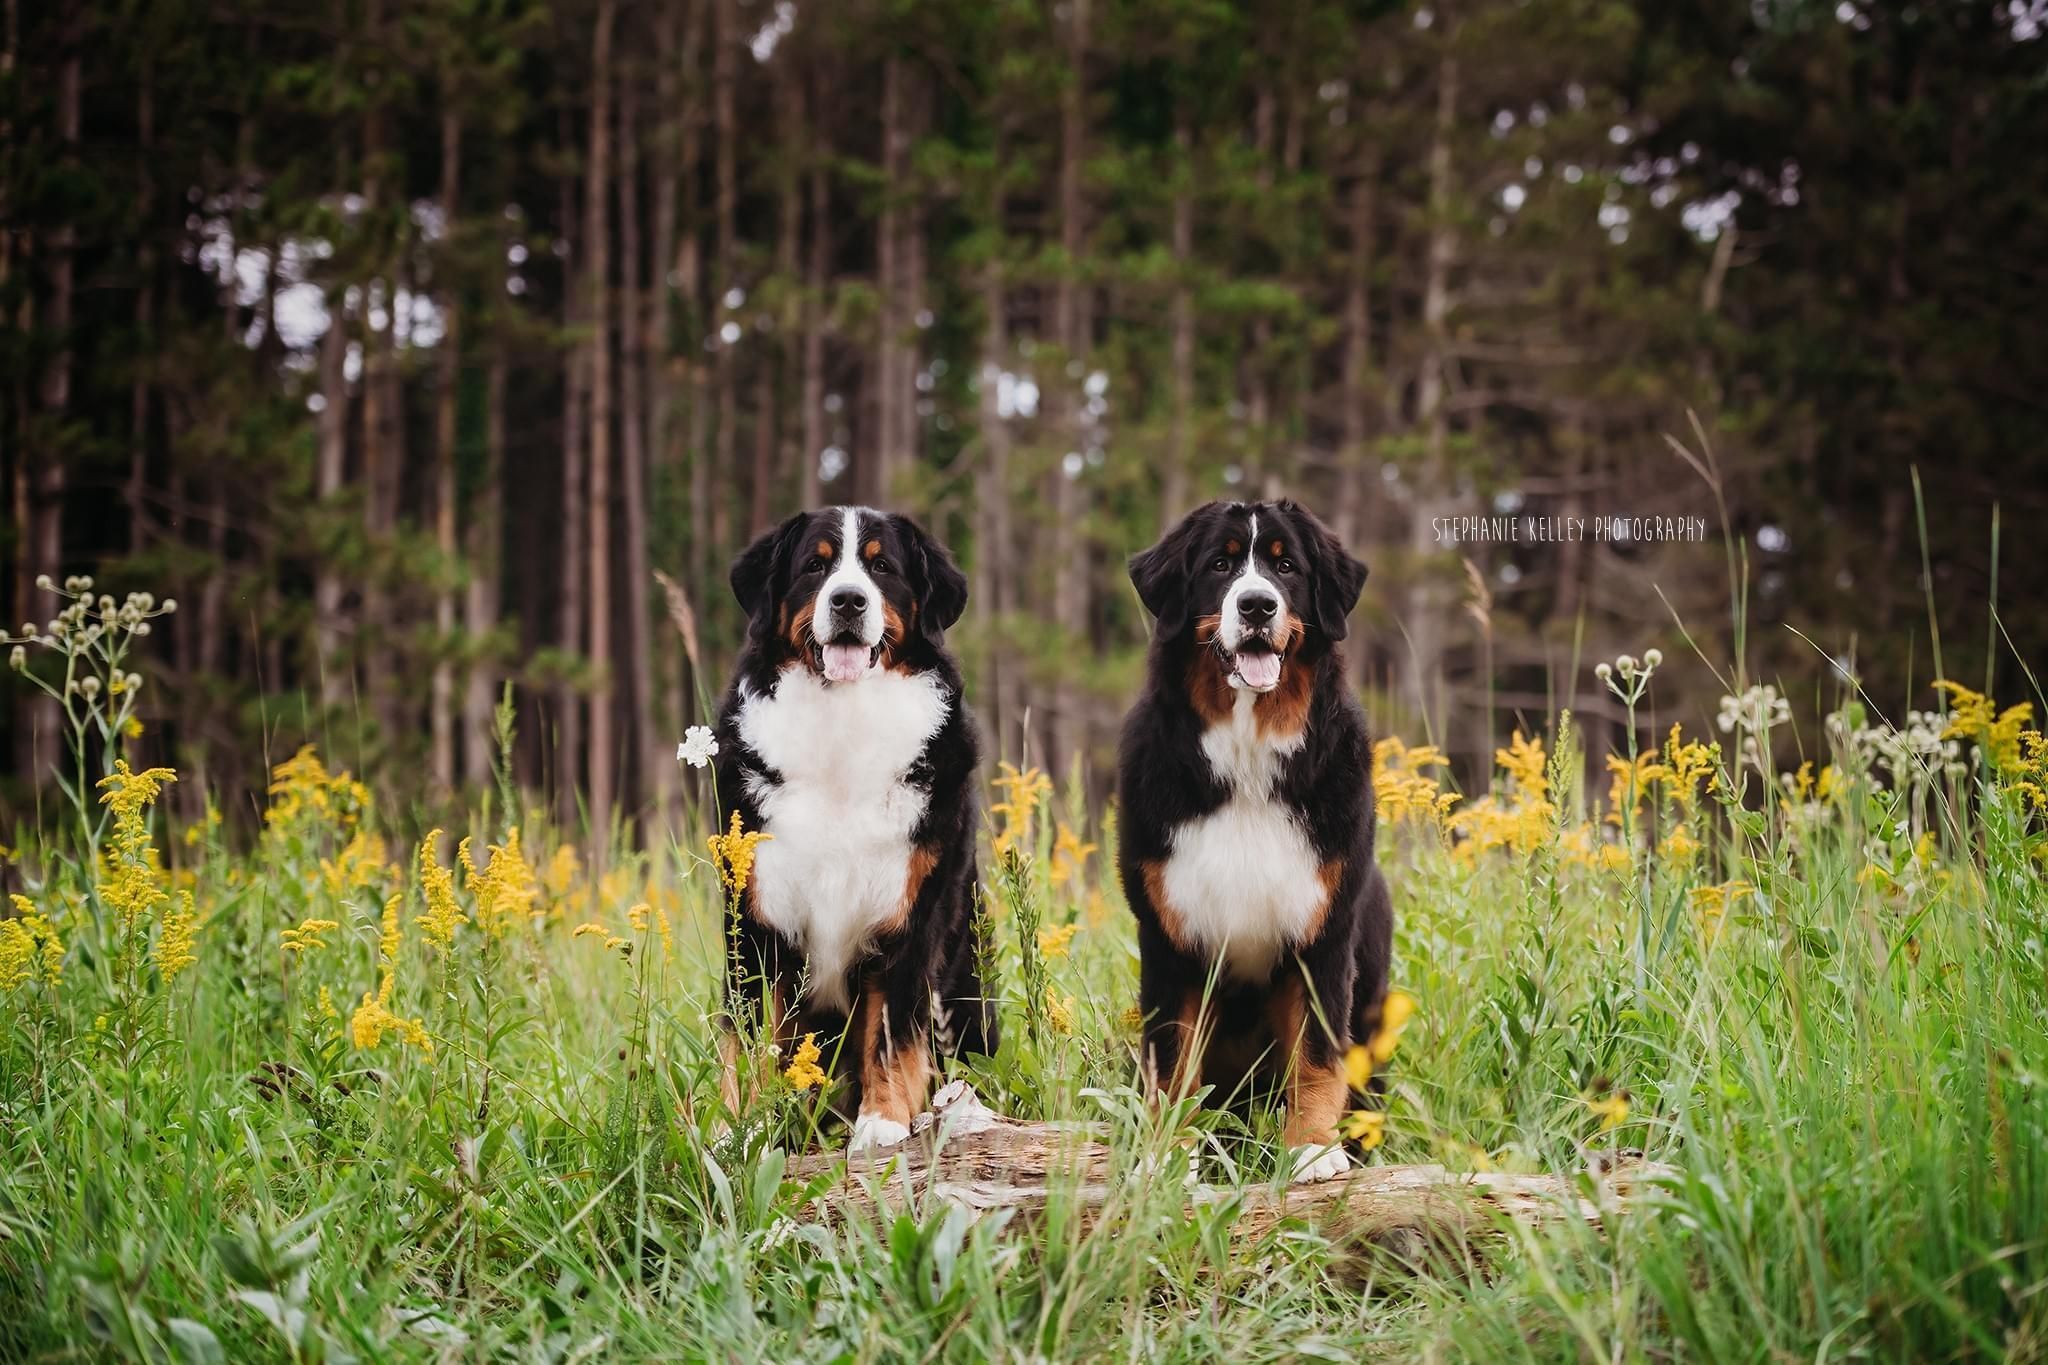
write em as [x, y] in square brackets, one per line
[842, 814]
[1243, 879]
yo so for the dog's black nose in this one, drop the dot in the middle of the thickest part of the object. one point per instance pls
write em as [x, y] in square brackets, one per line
[1257, 608]
[850, 600]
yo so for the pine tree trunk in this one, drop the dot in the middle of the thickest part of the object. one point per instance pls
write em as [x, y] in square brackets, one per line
[598, 540]
[485, 552]
[441, 716]
[991, 594]
[646, 773]
[1426, 609]
[1180, 457]
[817, 274]
[569, 625]
[725, 39]
[1067, 735]
[1361, 208]
[879, 463]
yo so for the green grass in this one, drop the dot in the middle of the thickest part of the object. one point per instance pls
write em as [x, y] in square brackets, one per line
[1848, 1070]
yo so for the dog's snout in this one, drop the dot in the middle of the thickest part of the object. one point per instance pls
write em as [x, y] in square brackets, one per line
[1257, 608]
[847, 601]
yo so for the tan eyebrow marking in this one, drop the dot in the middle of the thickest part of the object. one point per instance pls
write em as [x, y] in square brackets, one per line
[871, 549]
[1231, 547]
[1277, 550]
[824, 549]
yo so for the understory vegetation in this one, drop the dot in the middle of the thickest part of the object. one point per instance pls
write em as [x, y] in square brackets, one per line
[343, 1089]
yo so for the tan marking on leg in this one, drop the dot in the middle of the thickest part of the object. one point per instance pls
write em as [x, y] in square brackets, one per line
[922, 861]
[1316, 1093]
[1329, 876]
[1154, 873]
[895, 1074]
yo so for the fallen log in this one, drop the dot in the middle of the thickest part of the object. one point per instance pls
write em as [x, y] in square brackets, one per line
[961, 1153]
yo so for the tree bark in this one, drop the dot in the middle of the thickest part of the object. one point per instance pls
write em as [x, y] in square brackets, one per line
[879, 463]
[1173, 502]
[485, 552]
[725, 39]
[646, 773]
[569, 626]
[992, 593]
[1426, 610]
[817, 274]
[441, 702]
[1361, 219]
[1066, 735]
[598, 541]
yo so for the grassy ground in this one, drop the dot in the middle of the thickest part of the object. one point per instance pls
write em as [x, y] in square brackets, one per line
[279, 1120]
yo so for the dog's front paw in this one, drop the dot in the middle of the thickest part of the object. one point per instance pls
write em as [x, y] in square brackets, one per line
[872, 1132]
[1315, 1163]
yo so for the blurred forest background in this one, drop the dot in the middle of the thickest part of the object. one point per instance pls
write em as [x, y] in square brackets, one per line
[404, 343]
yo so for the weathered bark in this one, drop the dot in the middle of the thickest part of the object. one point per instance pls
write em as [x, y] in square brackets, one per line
[441, 699]
[725, 41]
[879, 463]
[964, 1156]
[992, 592]
[329, 470]
[1361, 207]
[598, 539]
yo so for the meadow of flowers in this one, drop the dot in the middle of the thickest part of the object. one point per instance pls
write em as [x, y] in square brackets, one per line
[343, 1089]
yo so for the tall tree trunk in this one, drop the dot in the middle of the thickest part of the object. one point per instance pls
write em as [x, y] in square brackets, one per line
[992, 478]
[330, 468]
[1426, 609]
[725, 40]
[575, 381]
[817, 273]
[485, 541]
[879, 464]
[646, 772]
[1067, 734]
[441, 717]
[1360, 219]
[145, 305]
[1180, 456]
[598, 540]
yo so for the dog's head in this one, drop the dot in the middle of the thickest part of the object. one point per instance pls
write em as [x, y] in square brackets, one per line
[848, 590]
[1257, 583]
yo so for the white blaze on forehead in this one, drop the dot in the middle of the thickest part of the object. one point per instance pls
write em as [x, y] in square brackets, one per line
[850, 573]
[1248, 578]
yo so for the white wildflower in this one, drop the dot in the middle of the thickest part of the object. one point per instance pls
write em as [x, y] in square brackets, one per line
[698, 747]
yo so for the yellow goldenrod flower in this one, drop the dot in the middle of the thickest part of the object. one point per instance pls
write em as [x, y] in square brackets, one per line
[1358, 1066]
[132, 728]
[373, 1018]
[327, 1010]
[1403, 789]
[29, 948]
[1131, 1019]
[132, 885]
[506, 890]
[360, 865]
[1059, 1011]
[1022, 790]
[1366, 1127]
[644, 913]
[301, 786]
[1395, 1013]
[1069, 855]
[306, 937]
[611, 940]
[563, 868]
[174, 950]
[1975, 716]
[1608, 1105]
[1523, 761]
[732, 853]
[1053, 941]
[1685, 766]
[803, 1070]
[443, 916]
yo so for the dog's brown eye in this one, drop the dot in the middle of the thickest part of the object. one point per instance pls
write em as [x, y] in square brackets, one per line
[815, 564]
[1222, 564]
[1285, 566]
[879, 565]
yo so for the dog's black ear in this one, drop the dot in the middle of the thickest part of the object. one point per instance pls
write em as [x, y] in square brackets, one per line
[941, 587]
[1337, 576]
[1161, 573]
[755, 572]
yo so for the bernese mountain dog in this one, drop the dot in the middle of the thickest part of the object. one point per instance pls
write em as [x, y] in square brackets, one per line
[1245, 782]
[845, 735]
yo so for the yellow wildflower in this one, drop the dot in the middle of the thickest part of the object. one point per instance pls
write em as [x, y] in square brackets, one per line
[1523, 762]
[206, 825]
[611, 940]
[306, 937]
[133, 887]
[563, 868]
[302, 786]
[1608, 1105]
[360, 865]
[732, 853]
[1059, 1011]
[443, 916]
[1403, 789]
[506, 890]
[1710, 903]
[644, 913]
[1685, 765]
[1069, 855]
[373, 1017]
[1054, 940]
[1358, 1066]
[327, 1010]
[1631, 786]
[803, 1071]
[174, 951]
[1975, 716]
[1131, 1019]
[30, 949]
[1366, 1127]
[1395, 1013]
[1023, 789]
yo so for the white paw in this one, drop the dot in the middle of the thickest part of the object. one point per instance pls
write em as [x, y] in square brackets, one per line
[1152, 1168]
[872, 1132]
[1315, 1163]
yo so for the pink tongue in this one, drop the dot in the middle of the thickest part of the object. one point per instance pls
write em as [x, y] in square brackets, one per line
[1259, 670]
[845, 663]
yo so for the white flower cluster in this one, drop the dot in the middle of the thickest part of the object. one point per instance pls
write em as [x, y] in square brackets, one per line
[698, 747]
[1751, 717]
[1627, 677]
[1913, 753]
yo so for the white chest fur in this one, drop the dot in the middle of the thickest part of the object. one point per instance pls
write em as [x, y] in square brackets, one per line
[843, 813]
[1242, 880]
